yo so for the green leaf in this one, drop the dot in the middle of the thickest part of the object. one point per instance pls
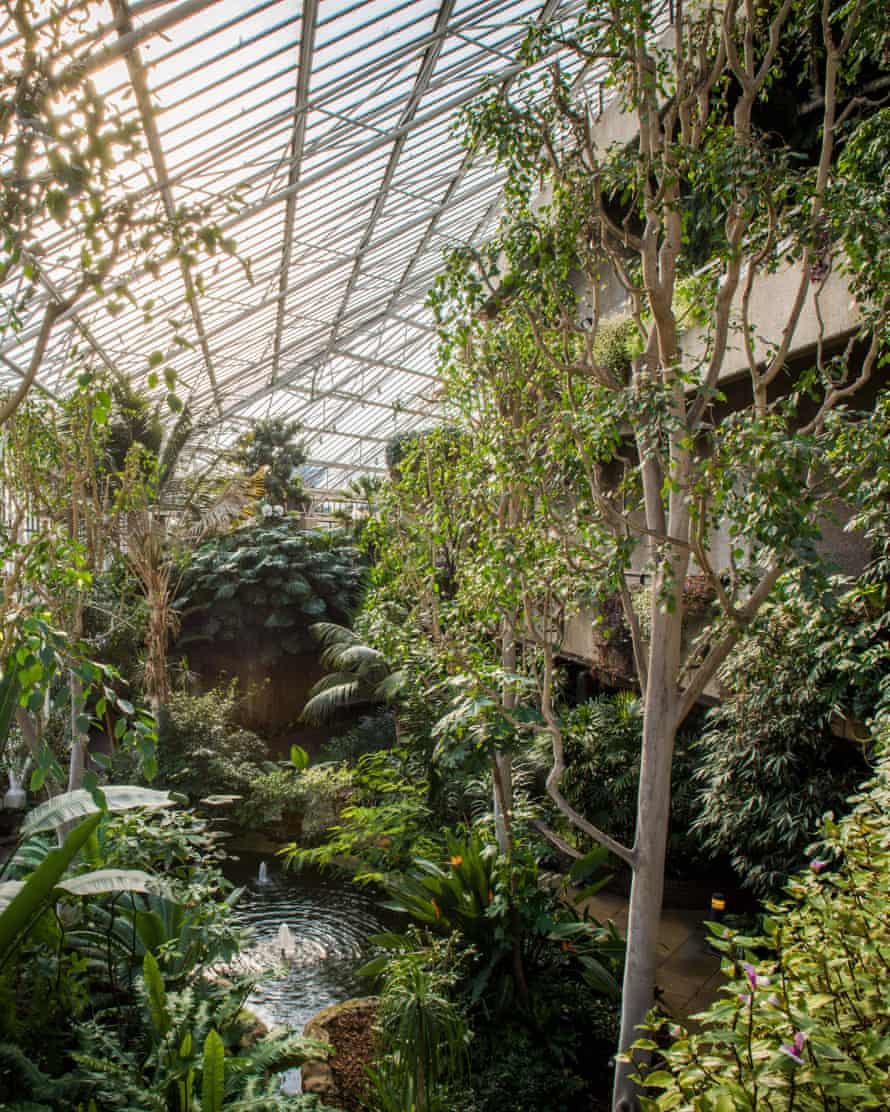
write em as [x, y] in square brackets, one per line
[74, 805]
[157, 994]
[299, 758]
[103, 881]
[374, 967]
[589, 863]
[59, 204]
[9, 695]
[29, 901]
[213, 1073]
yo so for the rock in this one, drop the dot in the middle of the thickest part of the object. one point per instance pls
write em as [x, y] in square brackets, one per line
[349, 1029]
[255, 1028]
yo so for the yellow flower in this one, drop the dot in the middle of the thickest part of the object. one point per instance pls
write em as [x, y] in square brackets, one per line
[457, 860]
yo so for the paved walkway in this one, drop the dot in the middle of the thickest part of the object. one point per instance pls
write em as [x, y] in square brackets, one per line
[689, 974]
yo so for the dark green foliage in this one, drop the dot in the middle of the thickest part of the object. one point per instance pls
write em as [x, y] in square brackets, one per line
[358, 675]
[805, 1023]
[537, 984]
[408, 446]
[554, 1065]
[520, 934]
[370, 733]
[201, 749]
[184, 1043]
[274, 445]
[385, 826]
[110, 998]
[268, 580]
[768, 764]
[603, 739]
[424, 1029]
[284, 798]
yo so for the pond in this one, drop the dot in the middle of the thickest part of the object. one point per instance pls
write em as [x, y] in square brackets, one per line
[314, 927]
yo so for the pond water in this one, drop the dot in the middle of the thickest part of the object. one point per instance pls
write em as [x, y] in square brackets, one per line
[313, 928]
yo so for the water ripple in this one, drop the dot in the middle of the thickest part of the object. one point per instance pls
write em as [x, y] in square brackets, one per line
[329, 921]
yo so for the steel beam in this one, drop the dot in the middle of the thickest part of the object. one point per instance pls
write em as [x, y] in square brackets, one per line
[297, 142]
[149, 125]
[421, 84]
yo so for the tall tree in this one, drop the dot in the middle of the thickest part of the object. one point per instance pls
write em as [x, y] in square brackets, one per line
[701, 173]
[69, 219]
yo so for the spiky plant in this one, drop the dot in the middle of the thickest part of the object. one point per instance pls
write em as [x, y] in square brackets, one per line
[359, 676]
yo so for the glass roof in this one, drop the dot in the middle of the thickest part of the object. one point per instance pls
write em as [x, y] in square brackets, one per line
[335, 121]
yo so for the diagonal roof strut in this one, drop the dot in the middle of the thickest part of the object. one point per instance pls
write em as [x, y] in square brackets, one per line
[308, 21]
[149, 126]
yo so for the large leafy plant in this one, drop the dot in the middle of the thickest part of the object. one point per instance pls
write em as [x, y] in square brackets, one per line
[202, 750]
[768, 764]
[191, 1055]
[268, 580]
[804, 1022]
[602, 741]
[273, 446]
[518, 932]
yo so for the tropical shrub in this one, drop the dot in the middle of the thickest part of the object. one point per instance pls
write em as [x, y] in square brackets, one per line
[358, 675]
[274, 446]
[768, 765]
[371, 733]
[106, 992]
[268, 580]
[536, 983]
[424, 1029]
[202, 750]
[312, 799]
[388, 822]
[520, 935]
[603, 741]
[185, 1048]
[805, 1018]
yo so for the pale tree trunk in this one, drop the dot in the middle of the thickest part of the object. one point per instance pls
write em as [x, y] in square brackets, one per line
[647, 884]
[79, 741]
[503, 764]
[502, 775]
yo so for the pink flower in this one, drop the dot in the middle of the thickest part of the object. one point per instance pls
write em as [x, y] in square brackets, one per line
[817, 864]
[794, 1049]
[753, 979]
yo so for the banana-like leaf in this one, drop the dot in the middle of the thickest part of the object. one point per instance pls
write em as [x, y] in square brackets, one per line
[213, 1073]
[9, 694]
[187, 1084]
[75, 805]
[9, 889]
[38, 888]
[157, 993]
[101, 882]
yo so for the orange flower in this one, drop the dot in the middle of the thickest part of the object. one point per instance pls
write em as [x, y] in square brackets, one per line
[436, 909]
[569, 948]
[456, 860]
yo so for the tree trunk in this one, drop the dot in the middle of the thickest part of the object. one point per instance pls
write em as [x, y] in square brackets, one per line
[503, 800]
[79, 741]
[653, 816]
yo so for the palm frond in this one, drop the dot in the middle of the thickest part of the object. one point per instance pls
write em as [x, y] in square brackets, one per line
[325, 703]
